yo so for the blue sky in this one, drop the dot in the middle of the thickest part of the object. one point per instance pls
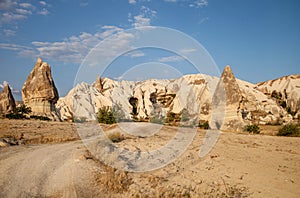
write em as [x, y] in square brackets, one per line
[258, 38]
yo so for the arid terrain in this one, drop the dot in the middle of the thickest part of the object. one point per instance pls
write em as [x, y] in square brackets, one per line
[52, 161]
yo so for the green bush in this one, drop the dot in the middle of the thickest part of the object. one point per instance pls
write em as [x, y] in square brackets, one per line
[15, 116]
[40, 117]
[19, 112]
[106, 116]
[252, 128]
[204, 125]
[157, 120]
[289, 130]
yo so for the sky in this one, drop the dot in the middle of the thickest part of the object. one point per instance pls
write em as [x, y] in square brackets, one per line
[259, 39]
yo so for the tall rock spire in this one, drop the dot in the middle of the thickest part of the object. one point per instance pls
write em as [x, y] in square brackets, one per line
[7, 101]
[226, 102]
[39, 91]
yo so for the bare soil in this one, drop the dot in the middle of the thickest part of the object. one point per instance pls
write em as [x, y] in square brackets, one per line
[55, 163]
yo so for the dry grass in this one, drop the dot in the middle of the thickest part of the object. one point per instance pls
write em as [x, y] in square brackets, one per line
[116, 137]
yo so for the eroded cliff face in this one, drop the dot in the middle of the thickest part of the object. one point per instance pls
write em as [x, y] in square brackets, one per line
[7, 101]
[226, 102]
[285, 91]
[39, 91]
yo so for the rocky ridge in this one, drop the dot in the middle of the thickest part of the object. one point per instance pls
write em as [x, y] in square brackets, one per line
[244, 102]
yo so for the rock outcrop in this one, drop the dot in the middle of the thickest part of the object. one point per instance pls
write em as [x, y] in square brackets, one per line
[39, 91]
[228, 95]
[285, 91]
[7, 101]
[226, 102]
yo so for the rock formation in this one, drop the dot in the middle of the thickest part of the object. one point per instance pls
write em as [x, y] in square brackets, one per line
[226, 102]
[39, 91]
[7, 101]
[285, 91]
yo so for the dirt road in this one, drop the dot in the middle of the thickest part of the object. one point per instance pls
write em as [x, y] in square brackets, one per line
[46, 170]
[253, 165]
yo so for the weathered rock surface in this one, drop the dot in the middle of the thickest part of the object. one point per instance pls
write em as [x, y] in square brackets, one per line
[229, 91]
[226, 102]
[285, 89]
[7, 101]
[39, 91]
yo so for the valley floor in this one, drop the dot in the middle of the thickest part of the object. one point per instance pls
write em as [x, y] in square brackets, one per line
[54, 162]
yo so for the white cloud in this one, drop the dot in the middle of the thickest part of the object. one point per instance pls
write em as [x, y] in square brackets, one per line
[136, 54]
[9, 17]
[8, 32]
[132, 1]
[27, 5]
[14, 11]
[108, 31]
[187, 50]
[171, 59]
[13, 47]
[141, 20]
[43, 3]
[44, 11]
[23, 11]
[144, 18]
[199, 3]
[6, 4]
[172, 1]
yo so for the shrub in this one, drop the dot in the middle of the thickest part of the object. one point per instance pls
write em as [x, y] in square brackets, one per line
[23, 109]
[19, 112]
[185, 116]
[252, 128]
[289, 130]
[204, 125]
[157, 120]
[105, 116]
[15, 116]
[40, 117]
[116, 137]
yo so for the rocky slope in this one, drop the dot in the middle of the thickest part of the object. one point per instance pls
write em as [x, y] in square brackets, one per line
[285, 90]
[39, 91]
[7, 101]
[227, 103]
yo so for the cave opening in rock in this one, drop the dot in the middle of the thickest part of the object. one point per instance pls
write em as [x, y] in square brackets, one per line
[133, 102]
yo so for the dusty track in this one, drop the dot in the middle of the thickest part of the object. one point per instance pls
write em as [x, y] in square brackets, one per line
[268, 166]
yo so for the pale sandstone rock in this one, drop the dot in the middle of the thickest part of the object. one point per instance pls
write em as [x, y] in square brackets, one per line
[7, 101]
[39, 91]
[218, 100]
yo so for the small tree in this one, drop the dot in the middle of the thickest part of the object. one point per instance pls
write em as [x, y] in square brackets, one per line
[252, 128]
[105, 116]
[289, 130]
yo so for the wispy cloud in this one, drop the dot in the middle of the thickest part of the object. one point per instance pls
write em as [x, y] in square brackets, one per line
[44, 11]
[144, 18]
[199, 3]
[171, 59]
[8, 32]
[13, 12]
[132, 1]
[190, 3]
[187, 50]
[43, 3]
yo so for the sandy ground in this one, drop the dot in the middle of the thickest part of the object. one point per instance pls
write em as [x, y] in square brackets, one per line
[239, 165]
